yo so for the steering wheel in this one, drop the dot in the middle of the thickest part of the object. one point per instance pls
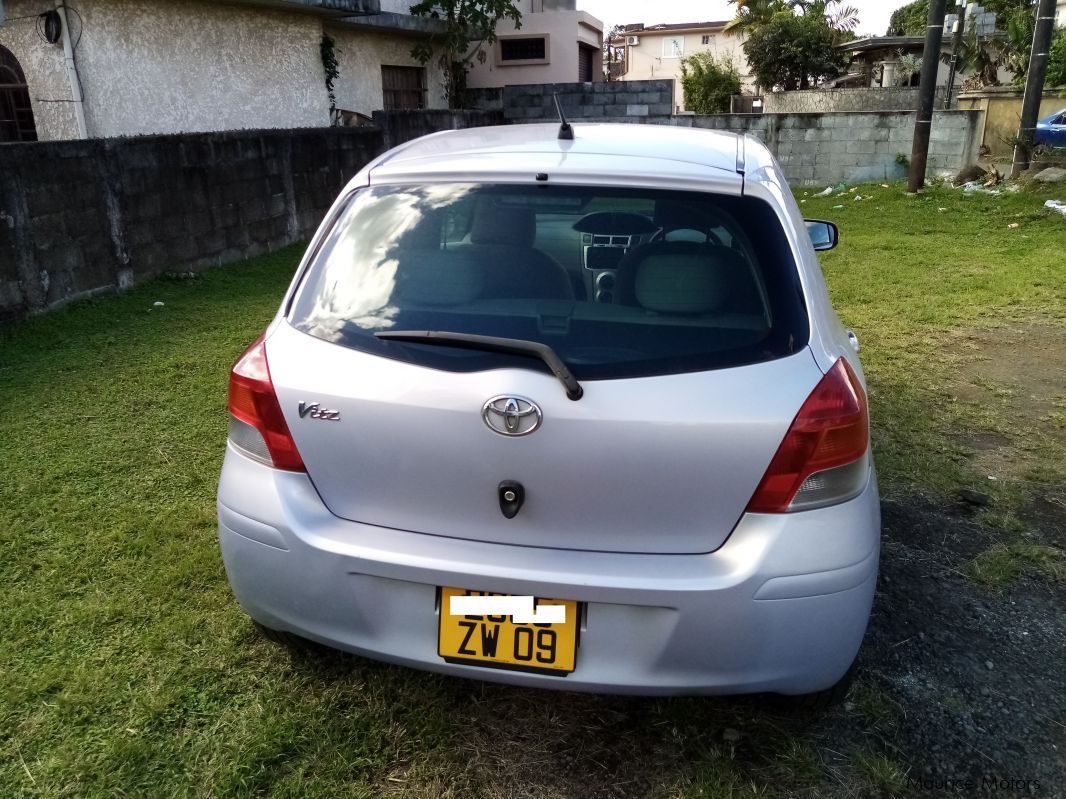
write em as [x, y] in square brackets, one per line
[709, 236]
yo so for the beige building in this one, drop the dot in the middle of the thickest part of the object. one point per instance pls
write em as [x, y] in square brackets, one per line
[105, 68]
[555, 44]
[656, 51]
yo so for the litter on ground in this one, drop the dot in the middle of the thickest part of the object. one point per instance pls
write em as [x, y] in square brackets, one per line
[974, 186]
[1057, 206]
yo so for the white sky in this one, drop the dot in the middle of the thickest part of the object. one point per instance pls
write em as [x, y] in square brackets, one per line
[873, 14]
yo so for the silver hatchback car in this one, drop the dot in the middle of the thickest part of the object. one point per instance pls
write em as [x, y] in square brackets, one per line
[598, 372]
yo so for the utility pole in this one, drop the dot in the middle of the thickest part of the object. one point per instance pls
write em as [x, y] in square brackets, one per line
[956, 45]
[934, 34]
[1034, 85]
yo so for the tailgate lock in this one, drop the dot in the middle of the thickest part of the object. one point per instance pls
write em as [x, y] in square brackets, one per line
[512, 495]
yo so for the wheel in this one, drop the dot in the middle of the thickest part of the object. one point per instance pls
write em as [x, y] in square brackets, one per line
[820, 701]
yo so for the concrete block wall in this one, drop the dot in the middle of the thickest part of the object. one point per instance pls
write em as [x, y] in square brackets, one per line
[617, 101]
[824, 149]
[831, 100]
[401, 126]
[80, 217]
[489, 99]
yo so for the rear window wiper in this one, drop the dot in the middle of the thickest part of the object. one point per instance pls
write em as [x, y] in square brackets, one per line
[511, 346]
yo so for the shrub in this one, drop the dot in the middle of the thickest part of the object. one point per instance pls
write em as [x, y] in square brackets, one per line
[708, 83]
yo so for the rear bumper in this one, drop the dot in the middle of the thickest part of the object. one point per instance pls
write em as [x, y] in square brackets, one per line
[781, 607]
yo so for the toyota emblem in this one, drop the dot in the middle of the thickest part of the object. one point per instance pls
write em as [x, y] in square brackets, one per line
[511, 416]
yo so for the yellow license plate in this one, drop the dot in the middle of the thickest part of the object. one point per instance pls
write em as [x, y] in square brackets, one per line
[499, 642]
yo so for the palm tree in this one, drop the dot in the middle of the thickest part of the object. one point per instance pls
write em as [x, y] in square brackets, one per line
[1014, 47]
[978, 57]
[842, 18]
[753, 13]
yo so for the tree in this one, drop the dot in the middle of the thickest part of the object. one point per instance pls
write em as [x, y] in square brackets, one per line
[794, 52]
[1014, 48]
[910, 20]
[328, 50]
[1056, 67]
[612, 54]
[978, 58]
[1004, 8]
[753, 13]
[842, 19]
[709, 83]
[470, 25]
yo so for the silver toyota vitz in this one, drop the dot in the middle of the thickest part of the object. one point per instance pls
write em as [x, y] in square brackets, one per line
[566, 408]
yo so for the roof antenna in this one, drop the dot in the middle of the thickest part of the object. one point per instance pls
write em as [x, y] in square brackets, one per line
[566, 133]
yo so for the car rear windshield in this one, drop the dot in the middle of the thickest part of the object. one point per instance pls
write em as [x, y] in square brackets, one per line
[618, 282]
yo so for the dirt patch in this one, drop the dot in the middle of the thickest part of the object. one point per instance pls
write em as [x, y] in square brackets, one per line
[1029, 353]
[1010, 387]
[1020, 366]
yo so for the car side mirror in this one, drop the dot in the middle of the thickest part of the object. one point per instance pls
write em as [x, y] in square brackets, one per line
[824, 235]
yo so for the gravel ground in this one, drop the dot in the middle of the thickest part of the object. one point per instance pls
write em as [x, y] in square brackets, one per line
[977, 678]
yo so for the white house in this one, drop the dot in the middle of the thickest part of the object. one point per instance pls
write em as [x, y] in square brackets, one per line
[104, 68]
[652, 52]
[556, 43]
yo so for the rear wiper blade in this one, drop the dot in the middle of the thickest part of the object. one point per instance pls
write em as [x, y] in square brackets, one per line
[512, 346]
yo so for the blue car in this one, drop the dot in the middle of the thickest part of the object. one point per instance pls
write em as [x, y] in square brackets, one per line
[1051, 130]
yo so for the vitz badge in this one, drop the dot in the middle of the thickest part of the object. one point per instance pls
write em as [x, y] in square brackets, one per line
[315, 411]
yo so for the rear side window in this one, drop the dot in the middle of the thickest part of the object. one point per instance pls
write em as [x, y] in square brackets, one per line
[619, 282]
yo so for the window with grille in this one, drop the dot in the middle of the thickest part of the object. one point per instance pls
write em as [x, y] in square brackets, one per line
[403, 88]
[526, 48]
[16, 113]
[706, 39]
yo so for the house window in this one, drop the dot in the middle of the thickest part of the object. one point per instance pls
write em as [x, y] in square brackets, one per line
[706, 39]
[16, 113]
[403, 88]
[673, 47]
[524, 48]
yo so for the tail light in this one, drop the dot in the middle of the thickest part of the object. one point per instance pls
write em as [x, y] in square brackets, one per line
[257, 426]
[823, 457]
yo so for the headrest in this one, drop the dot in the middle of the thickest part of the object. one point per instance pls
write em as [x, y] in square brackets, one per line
[687, 278]
[438, 277]
[502, 225]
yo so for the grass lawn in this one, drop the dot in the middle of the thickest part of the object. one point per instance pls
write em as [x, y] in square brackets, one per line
[127, 670]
